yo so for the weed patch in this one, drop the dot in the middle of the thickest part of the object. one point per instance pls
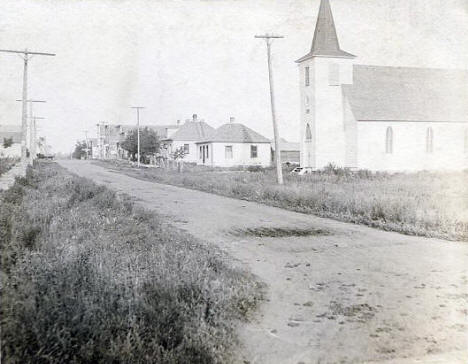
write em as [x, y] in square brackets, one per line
[268, 232]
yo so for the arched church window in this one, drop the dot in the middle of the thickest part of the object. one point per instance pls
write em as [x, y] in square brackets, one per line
[389, 140]
[308, 133]
[429, 140]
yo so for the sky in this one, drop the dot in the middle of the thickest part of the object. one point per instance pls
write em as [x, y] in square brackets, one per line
[180, 57]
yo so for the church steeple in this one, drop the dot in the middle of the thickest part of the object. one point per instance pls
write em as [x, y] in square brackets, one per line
[325, 43]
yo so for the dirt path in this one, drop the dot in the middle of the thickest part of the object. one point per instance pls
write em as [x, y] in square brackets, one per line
[354, 294]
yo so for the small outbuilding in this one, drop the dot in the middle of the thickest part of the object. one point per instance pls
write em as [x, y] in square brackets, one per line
[234, 144]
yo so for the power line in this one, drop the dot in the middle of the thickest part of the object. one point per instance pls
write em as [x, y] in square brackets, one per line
[268, 40]
[32, 128]
[26, 55]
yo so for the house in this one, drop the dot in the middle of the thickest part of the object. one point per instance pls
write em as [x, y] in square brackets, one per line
[375, 117]
[110, 137]
[10, 141]
[234, 144]
[186, 137]
[290, 152]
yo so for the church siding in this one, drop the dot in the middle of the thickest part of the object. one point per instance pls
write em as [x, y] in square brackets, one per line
[409, 146]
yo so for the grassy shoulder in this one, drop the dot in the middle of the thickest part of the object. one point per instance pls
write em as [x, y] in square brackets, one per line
[88, 277]
[424, 204]
[6, 164]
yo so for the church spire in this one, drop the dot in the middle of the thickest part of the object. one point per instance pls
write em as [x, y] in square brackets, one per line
[325, 43]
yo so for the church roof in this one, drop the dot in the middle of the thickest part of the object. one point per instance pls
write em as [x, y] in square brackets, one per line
[408, 94]
[236, 133]
[325, 42]
[193, 131]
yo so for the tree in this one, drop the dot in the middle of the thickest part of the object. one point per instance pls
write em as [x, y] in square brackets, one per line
[178, 155]
[80, 150]
[7, 142]
[149, 143]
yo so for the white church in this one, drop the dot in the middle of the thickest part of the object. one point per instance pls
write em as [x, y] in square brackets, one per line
[378, 118]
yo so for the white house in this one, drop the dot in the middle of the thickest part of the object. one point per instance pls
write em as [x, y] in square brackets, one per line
[234, 144]
[378, 118]
[186, 137]
[10, 133]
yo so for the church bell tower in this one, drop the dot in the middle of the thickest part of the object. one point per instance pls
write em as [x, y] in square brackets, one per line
[322, 71]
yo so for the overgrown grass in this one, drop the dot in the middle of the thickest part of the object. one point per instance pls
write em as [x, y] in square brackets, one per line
[86, 277]
[425, 203]
[6, 164]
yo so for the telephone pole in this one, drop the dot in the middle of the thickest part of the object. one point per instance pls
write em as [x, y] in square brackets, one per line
[87, 144]
[138, 108]
[268, 40]
[32, 129]
[26, 56]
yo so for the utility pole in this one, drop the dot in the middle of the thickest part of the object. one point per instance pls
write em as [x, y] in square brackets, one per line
[26, 56]
[138, 108]
[268, 40]
[87, 145]
[32, 129]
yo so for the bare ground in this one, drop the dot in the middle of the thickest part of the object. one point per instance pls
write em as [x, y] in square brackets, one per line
[335, 292]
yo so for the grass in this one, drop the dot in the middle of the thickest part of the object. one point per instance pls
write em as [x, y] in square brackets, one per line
[6, 164]
[87, 277]
[424, 204]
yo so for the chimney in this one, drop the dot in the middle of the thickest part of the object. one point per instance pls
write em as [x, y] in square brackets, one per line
[232, 119]
[194, 117]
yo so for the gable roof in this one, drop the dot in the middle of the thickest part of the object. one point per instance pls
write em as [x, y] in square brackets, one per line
[325, 42]
[408, 94]
[10, 131]
[192, 131]
[236, 133]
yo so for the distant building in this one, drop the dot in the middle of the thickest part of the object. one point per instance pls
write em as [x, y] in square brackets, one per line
[109, 139]
[10, 134]
[186, 136]
[234, 144]
[378, 118]
[290, 152]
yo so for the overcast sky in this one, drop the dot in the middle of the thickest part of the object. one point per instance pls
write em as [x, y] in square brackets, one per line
[179, 57]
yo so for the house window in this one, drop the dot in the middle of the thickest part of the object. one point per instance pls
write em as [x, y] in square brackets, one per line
[333, 74]
[429, 140]
[228, 152]
[201, 153]
[308, 133]
[207, 155]
[253, 151]
[389, 140]
[307, 76]
[186, 149]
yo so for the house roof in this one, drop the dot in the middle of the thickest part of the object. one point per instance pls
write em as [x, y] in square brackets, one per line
[192, 131]
[325, 42]
[286, 146]
[10, 131]
[236, 133]
[408, 94]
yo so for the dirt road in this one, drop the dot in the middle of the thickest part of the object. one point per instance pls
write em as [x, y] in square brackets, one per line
[338, 293]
